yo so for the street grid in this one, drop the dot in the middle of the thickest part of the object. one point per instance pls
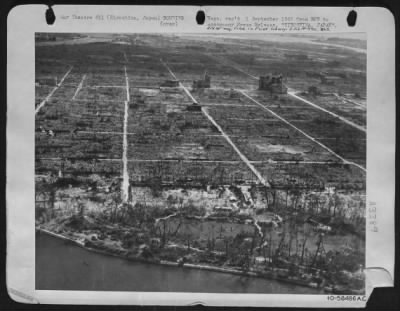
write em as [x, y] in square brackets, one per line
[124, 157]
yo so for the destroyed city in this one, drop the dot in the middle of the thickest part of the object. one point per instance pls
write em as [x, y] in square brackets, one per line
[221, 163]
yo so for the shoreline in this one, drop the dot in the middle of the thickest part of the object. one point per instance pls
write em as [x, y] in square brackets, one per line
[266, 275]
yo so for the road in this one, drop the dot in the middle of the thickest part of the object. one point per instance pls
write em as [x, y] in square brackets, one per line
[52, 91]
[79, 87]
[241, 155]
[227, 138]
[304, 133]
[225, 63]
[358, 127]
[293, 94]
[125, 175]
[169, 70]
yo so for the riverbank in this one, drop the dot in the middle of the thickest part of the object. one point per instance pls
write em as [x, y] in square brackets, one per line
[61, 265]
[269, 275]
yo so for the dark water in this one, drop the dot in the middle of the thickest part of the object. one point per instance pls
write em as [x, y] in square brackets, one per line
[63, 266]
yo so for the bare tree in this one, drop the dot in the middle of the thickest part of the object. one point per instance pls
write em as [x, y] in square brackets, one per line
[306, 235]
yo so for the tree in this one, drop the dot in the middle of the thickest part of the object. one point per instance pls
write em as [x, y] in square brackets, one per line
[273, 199]
[319, 251]
[228, 241]
[306, 235]
[165, 231]
[81, 209]
[116, 202]
[337, 202]
[296, 194]
[52, 198]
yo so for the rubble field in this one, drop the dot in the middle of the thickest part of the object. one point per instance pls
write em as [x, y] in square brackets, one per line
[169, 149]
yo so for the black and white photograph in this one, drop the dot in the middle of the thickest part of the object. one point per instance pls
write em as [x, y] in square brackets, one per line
[201, 163]
[242, 160]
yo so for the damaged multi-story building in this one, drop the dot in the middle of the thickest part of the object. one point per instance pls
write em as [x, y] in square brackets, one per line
[204, 83]
[272, 83]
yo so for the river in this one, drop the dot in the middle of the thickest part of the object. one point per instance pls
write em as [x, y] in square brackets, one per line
[61, 265]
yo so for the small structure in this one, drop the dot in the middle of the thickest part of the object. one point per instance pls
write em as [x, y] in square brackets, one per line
[46, 81]
[204, 83]
[170, 83]
[329, 80]
[193, 107]
[272, 83]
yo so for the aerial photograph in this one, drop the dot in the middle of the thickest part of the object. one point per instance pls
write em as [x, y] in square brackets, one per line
[200, 163]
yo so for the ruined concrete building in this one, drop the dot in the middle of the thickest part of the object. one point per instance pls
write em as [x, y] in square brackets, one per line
[203, 83]
[272, 83]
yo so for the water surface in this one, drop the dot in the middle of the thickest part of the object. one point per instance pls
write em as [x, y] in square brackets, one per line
[61, 265]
